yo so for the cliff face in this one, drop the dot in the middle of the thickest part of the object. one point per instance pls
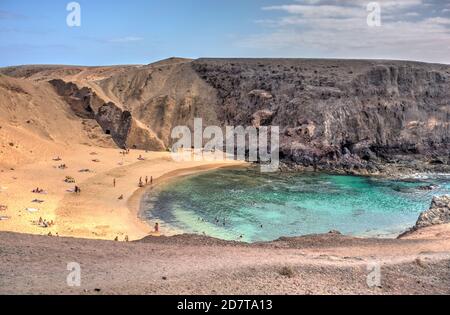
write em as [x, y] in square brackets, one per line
[347, 115]
[119, 123]
[339, 114]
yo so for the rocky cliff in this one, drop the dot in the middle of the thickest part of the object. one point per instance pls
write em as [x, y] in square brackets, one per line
[339, 114]
[126, 131]
[439, 213]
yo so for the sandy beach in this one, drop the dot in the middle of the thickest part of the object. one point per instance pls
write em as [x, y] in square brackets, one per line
[96, 213]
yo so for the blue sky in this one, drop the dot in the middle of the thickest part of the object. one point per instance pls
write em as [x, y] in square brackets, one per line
[139, 31]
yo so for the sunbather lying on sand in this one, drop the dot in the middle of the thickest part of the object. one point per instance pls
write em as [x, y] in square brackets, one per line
[39, 191]
[3, 208]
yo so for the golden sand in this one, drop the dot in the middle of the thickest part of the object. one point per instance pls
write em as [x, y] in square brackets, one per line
[97, 212]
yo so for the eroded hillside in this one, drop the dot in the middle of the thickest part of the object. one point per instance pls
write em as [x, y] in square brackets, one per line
[343, 114]
[35, 123]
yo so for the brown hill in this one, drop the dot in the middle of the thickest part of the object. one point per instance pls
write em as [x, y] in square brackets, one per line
[35, 122]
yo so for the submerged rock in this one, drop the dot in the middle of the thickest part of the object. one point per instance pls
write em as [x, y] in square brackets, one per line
[335, 232]
[428, 187]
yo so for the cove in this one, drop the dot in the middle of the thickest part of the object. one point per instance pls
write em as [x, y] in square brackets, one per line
[247, 205]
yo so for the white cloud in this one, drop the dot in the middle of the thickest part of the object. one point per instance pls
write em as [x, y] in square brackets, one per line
[126, 39]
[396, 4]
[338, 29]
[317, 11]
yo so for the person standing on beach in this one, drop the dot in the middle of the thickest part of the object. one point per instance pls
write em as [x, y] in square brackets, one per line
[114, 182]
[146, 180]
[157, 227]
[151, 180]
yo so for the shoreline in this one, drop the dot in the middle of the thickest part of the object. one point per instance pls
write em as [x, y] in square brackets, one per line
[391, 233]
[98, 212]
[135, 202]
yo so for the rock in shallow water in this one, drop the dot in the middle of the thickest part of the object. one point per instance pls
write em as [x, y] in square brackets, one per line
[439, 213]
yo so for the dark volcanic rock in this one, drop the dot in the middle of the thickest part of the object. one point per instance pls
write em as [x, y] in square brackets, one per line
[114, 121]
[338, 114]
[439, 213]
[126, 131]
[78, 99]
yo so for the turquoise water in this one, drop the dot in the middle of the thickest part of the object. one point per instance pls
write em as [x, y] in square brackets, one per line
[242, 204]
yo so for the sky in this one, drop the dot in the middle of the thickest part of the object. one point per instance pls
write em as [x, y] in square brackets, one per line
[144, 31]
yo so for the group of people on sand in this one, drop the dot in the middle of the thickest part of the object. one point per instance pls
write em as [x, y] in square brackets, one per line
[125, 239]
[125, 152]
[147, 181]
[45, 224]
